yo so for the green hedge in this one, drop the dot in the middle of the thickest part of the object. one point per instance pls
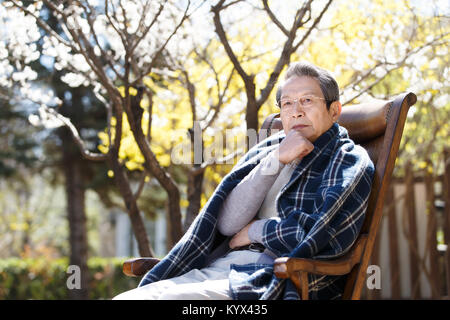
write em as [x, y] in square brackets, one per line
[44, 279]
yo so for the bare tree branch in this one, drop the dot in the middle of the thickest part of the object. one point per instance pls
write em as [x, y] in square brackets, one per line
[191, 91]
[285, 55]
[147, 29]
[43, 25]
[223, 38]
[161, 49]
[395, 65]
[230, 3]
[138, 192]
[274, 18]
[110, 20]
[150, 114]
[213, 161]
[103, 53]
[82, 146]
[218, 105]
[85, 49]
[316, 22]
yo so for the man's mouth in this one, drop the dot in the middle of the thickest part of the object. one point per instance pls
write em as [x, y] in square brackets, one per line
[299, 126]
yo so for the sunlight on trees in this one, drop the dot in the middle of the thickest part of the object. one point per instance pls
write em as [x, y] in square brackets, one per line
[164, 69]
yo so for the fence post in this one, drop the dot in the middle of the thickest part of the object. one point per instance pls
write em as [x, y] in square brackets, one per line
[410, 207]
[432, 233]
[393, 242]
[446, 194]
[375, 294]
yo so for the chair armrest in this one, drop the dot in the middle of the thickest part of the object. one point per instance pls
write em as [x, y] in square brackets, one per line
[288, 267]
[138, 266]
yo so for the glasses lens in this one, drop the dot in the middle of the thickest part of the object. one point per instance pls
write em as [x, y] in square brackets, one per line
[285, 103]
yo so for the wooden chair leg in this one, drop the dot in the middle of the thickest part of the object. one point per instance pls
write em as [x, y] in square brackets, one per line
[300, 280]
[350, 282]
[304, 284]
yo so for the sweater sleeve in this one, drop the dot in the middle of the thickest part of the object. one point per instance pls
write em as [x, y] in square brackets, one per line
[244, 201]
[255, 232]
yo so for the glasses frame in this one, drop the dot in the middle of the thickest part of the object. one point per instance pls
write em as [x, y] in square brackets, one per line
[295, 101]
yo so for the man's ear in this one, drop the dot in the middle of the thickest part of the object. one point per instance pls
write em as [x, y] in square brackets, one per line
[335, 110]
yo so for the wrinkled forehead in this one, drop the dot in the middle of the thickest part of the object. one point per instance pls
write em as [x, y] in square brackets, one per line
[300, 86]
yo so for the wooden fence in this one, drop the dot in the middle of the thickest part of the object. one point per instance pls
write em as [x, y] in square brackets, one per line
[413, 242]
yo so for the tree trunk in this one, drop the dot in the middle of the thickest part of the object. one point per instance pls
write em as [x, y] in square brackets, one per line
[194, 195]
[195, 176]
[123, 184]
[174, 215]
[137, 223]
[251, 117]
[134, 113]
[75, 191]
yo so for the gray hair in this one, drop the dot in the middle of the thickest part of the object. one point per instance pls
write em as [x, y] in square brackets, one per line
[327, 83]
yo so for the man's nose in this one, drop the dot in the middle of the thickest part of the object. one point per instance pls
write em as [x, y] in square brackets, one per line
[298, 109]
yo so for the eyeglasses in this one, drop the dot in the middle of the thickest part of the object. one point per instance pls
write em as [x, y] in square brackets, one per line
[305, 102]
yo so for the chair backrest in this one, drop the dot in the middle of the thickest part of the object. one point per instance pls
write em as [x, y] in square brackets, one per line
[378, 127]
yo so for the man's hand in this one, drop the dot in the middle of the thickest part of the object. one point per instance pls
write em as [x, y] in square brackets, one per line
[241, 238]
[294, 146]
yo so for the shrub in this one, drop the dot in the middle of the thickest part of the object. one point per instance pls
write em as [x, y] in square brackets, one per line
[44, 279]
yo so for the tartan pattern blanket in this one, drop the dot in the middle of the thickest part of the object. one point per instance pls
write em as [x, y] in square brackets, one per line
[320, 213]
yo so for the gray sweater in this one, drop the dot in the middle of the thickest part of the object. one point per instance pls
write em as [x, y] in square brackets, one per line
[255, 197]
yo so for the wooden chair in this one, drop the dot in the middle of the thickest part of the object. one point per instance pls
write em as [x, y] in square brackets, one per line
[378, 127]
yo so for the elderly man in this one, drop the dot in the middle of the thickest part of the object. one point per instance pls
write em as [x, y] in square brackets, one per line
[300, 193]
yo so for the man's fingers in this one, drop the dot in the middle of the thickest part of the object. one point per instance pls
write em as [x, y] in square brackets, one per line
[238, 240]
[232, 243]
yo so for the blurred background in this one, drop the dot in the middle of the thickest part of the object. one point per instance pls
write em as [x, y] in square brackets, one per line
[119, 118]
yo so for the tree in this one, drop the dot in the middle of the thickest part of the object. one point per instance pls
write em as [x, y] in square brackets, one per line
[302, 19]
[78, 105]
[188, 107]
[18, 157]
[106, 46]
[408, 52]
[143, 79]
[16, 140]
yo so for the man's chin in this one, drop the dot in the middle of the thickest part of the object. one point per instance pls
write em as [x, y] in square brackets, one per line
[304, 132]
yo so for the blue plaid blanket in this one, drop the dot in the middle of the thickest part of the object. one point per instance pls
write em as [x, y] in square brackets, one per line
[320, 213]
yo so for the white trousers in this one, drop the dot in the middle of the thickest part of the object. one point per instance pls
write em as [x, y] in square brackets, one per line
[209, 283]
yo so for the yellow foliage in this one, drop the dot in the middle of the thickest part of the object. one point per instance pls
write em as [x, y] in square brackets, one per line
[103, 149]
[132, 165]
[203, 201]
[352, 39]
[15, 226]
[132, 91]
[422, 164]
[184, 203]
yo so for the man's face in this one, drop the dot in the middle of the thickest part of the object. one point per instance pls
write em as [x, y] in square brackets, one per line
[303, 108]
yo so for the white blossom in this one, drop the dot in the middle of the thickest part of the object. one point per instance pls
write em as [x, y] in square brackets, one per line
[45, 119]
[442, 100]
[26, 74]
[73, 79]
